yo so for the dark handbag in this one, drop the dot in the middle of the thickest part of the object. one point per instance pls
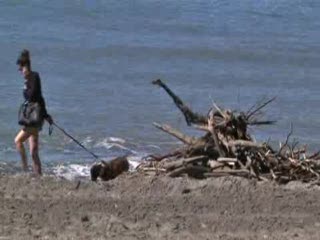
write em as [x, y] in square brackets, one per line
[30, 114]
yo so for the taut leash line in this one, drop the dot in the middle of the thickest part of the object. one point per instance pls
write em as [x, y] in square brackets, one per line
[76, 141]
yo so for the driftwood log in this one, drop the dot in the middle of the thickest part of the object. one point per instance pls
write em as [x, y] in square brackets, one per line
[227, 149]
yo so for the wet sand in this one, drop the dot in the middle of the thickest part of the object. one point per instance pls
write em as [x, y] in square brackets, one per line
[135, 206]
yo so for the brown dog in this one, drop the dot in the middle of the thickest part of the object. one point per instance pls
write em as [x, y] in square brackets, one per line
[109, 170]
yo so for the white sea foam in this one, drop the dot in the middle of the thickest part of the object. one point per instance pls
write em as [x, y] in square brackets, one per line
[78, 171]
[114, 143]
[9, 150]
[134, 162]
[72, 171]
[115, 139]
[88, 140]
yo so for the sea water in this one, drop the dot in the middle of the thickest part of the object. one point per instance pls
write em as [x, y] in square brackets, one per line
[97, 59]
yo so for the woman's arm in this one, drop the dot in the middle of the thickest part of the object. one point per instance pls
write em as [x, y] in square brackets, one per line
[36, 95]
[32, 91]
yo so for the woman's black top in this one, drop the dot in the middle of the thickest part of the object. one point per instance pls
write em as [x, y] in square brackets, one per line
[32, 91]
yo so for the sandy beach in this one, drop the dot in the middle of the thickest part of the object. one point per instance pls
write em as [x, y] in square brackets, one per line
[136, 206]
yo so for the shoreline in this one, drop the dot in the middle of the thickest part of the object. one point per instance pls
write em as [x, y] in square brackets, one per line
[137, 206]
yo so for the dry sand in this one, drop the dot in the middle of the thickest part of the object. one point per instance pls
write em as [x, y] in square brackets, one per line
[135, 206]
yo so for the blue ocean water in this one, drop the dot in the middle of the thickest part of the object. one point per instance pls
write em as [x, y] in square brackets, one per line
[97, 58]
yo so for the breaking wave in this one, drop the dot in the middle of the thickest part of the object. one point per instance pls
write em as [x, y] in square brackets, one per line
[79, 171]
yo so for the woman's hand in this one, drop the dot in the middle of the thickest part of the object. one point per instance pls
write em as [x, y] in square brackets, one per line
[49, 119]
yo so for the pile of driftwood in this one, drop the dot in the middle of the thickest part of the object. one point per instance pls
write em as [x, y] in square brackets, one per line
[226, 148]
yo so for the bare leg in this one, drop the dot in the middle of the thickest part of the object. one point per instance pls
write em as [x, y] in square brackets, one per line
[21, 137]
[34, 151]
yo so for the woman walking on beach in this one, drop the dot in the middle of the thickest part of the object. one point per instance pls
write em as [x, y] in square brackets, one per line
[32, 94]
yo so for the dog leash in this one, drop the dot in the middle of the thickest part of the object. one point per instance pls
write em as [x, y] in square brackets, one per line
[75, 140]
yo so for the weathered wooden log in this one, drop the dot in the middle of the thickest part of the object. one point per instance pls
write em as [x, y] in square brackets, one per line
[190, 116]
[227, 160]
[222, 173]
[192, 171]
[153, 169]
[202, 147]
[213, 164]
[214, 135]
[243, 143]
[159, 158]
[283, 179]
[179, 135]
[181, 162]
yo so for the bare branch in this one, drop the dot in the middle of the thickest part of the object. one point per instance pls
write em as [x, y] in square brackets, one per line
[179, 135]
[250, 114]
